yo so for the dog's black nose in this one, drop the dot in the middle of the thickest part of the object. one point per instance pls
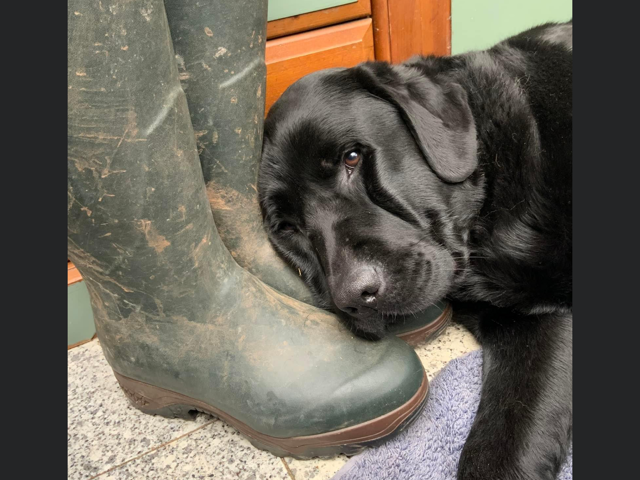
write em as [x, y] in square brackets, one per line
[358, 291]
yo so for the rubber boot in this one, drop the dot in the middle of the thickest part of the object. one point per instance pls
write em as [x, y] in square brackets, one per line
[220, 49]
[182, 325]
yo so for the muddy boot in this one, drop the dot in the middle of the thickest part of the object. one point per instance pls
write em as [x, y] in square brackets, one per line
[182, 325]
[220, 53]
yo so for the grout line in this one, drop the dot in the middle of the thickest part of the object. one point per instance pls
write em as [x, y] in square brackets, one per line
[82, 342]
[286, 466]
[154, 449]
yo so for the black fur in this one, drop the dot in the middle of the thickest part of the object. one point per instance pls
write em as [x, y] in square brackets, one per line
[463, 190]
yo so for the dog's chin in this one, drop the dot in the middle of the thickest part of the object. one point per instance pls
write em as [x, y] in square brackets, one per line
[373, 327]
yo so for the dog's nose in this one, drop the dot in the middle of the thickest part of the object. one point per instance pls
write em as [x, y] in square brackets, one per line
[358, 291]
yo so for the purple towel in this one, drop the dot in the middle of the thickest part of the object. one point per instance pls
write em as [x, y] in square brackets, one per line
[431, 447]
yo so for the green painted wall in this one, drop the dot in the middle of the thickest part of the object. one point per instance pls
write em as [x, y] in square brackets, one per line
[478, 24]
[288, 8]
[80, 324]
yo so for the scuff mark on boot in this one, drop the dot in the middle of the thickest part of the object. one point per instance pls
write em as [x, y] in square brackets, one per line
[154, 239]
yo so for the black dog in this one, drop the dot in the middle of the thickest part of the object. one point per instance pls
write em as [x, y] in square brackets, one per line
[390, 187]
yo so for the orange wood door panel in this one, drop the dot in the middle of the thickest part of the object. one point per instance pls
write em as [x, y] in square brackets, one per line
[291, 58]
[73, 275]
[404, 28]
[321, 18]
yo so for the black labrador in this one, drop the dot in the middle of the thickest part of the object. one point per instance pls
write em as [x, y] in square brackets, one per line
[392, 186]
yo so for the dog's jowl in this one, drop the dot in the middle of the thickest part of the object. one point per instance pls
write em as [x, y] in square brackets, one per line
[393, 186]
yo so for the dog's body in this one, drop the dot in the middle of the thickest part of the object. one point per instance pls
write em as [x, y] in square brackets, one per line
[390, 187]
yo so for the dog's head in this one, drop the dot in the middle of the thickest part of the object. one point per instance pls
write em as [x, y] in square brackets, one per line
[364, 186]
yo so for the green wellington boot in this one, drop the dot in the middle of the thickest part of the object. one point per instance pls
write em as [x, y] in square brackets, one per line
[220, 52]
[182, 325]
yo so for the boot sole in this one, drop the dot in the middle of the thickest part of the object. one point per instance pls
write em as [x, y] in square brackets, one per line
[430, 331]
[350, 441]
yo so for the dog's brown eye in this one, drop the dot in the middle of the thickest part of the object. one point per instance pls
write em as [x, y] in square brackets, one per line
[352, 158]
[286, 227]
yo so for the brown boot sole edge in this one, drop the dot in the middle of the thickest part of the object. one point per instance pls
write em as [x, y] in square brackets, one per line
[430, 331]
[350, 441]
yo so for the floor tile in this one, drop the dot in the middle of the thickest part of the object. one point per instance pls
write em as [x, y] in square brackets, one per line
[316, 469]
[104, 430]
[216, 451]
[453, 342]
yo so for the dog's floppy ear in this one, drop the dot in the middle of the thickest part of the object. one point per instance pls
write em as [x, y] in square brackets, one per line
[438, 116]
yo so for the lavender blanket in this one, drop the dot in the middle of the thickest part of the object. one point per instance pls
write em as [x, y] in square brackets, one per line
[431, 447]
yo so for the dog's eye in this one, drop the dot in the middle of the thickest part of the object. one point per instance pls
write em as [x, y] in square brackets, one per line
[352, 158]
[287, 227]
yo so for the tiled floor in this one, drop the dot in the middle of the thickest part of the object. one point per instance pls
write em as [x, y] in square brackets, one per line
[109, 439]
